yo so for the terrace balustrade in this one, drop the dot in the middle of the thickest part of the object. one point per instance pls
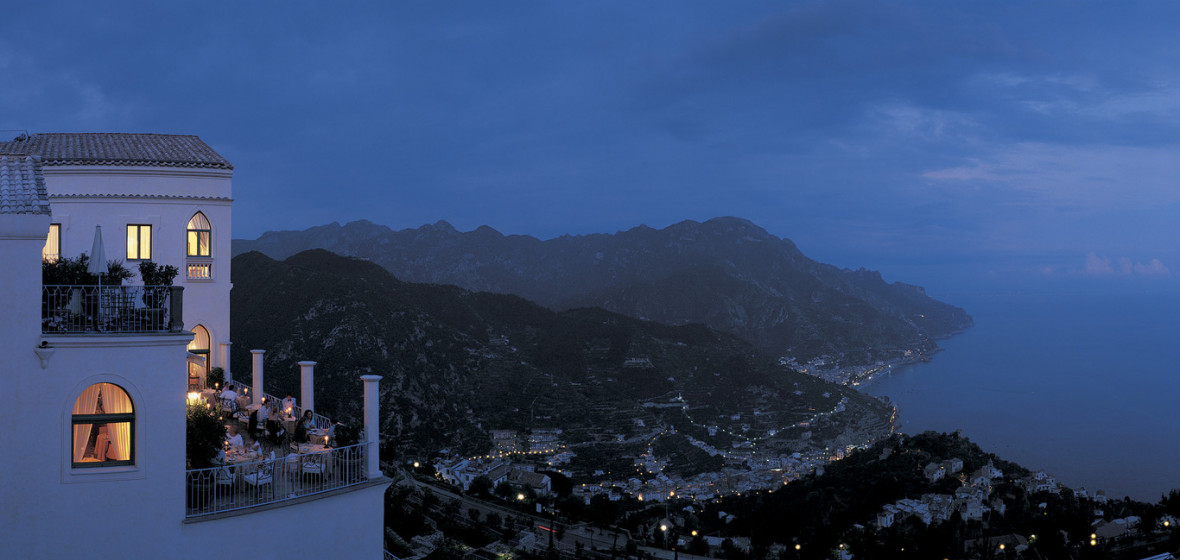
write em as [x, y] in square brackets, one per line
[90, 309]
[245, 485]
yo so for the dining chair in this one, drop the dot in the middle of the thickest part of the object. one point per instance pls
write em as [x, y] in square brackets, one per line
[225, 481]
[313, 465]
[264, 476]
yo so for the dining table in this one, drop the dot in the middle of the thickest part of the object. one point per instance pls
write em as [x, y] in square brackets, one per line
[242, 461]
[304, 452]
[288, 423]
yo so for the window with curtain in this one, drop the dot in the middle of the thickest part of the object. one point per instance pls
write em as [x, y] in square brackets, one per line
[139, 242]
[52, 250]
[103, 425]
[200, 235]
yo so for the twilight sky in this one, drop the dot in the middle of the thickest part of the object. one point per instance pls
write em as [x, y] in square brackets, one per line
[1036, 140]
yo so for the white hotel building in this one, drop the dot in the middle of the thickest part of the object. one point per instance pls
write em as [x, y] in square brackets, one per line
[166, 198]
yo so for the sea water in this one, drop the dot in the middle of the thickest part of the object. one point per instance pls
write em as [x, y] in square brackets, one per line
[1084, 385]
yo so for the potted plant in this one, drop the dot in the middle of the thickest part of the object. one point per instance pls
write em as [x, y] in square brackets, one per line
[215, 377]
[65, 290]
[157, 280]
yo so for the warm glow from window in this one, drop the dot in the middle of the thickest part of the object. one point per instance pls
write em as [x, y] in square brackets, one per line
[52, 250]
[200, 339]
[200, 346]
[139, 242]
[200, 235]
[103, 427]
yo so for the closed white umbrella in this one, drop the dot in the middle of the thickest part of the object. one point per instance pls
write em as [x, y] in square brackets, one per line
[98, 255]
[98, 265]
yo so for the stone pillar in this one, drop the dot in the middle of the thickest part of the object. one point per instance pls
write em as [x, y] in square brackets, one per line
[307, 385]
[225, 361]
[256, 390]
[372, 432]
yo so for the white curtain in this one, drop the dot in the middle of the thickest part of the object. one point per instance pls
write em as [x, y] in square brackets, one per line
[116, 401]
[84, 405]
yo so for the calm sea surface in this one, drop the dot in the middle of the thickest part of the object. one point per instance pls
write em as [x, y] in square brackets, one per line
[1083, 386]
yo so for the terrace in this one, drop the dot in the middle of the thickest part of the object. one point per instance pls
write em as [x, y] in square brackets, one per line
[285, 471]
[92, 309]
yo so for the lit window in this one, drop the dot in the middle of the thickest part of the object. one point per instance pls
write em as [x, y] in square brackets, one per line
[103, 427]
[139, 242]
[200, 234]
[200, 347]
[52, 250]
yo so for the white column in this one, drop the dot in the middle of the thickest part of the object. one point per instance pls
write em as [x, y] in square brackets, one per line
[256, 397]
[372, 432]
[307, 385]
[225, 361]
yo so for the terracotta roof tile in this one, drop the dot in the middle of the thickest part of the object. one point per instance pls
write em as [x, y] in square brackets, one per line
[22, 187]
[106, 148]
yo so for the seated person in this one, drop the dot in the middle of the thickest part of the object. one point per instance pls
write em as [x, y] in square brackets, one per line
[289, 405]
[263, 414]
[234, 439]
[304, 427]
[251, 424]
[275, 432]
[227, 392]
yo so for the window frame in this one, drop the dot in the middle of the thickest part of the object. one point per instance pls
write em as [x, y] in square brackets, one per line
[189, 238]
[95, 420]
[139, 255]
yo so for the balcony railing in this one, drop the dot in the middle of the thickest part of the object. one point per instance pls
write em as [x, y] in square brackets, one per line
[86, 309]
[245, 485]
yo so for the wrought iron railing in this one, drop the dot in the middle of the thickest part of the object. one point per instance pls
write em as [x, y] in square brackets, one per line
[245, 485]
[77, 309]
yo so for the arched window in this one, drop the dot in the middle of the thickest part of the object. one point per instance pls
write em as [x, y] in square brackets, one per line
[199, 346]
[103, 427]
[200, 236]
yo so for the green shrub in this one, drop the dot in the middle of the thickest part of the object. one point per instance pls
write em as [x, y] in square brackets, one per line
[73, 272]
[204, 435]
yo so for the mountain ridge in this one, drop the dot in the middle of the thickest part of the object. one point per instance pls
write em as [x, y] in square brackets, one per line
[455, 360]
[725, 272]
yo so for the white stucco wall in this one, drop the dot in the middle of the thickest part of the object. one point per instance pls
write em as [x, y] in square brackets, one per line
[347, 525]
[48, 508]
[57, 507]
[166, 198]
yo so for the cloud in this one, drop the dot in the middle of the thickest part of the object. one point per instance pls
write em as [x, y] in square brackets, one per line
[922, 123]
[1152, 268]
[1085, 176]
[1098, 266]
[1103, 266]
